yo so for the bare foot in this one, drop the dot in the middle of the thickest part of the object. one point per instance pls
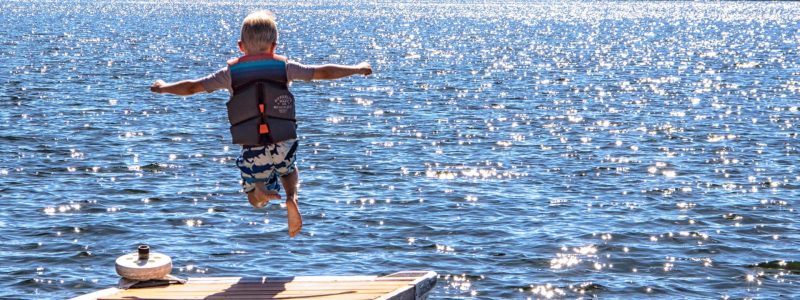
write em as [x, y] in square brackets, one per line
[295, 221]
[259, 197]
[263, 193]
[256, 201]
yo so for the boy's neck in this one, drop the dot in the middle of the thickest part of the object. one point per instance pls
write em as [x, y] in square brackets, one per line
[270, 53]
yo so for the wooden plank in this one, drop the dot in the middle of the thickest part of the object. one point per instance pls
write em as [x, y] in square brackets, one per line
[279, 286]
[254, 293]
[407, 274]
[329, 296]
[339, 297]
[408, 285]
[280, 279]
[98, 294]
[418, 287]
[267, 288]
[343, 283]
[402, 293]
[317, 292]
[308, 289]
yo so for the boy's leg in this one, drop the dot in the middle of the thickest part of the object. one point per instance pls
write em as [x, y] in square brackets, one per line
[259, 180]
[295, 221]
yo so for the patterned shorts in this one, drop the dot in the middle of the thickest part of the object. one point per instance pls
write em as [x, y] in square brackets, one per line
[266, 163]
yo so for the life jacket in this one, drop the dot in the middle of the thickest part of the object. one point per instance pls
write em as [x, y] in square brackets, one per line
[261, 108]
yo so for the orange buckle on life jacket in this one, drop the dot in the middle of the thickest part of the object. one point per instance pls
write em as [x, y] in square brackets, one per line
[263, 129]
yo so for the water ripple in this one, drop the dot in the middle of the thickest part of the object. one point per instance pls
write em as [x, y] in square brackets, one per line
[520, 149]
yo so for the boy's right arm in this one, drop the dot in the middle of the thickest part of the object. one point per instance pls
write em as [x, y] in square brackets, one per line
[339, 71]
[181, 88]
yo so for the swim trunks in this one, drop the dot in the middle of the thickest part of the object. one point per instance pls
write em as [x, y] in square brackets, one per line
[266, 163]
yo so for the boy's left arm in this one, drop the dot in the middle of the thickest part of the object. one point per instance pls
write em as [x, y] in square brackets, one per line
[330, 72]
[181, 88]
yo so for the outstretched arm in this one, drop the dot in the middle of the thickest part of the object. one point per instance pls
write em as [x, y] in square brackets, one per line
[181, 88]
[339, 71]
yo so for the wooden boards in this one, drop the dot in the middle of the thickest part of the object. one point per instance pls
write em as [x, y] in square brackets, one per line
[407, 285]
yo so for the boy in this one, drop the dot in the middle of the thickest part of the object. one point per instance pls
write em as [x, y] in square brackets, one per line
[261, 110]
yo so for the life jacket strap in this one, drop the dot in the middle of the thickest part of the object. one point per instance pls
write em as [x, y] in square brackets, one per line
[262, 128]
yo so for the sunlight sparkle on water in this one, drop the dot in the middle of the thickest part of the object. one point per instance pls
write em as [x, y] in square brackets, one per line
[629, 131]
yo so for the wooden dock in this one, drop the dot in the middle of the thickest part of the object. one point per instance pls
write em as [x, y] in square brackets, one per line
[408, 285]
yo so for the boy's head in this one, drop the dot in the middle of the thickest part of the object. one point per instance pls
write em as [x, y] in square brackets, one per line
[259, 32]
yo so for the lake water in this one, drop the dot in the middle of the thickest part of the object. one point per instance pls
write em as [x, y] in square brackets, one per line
[523, 150]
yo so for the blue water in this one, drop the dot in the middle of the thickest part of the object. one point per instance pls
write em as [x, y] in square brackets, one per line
[525, 150]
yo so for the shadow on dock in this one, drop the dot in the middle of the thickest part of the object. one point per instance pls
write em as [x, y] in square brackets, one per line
[276, 288]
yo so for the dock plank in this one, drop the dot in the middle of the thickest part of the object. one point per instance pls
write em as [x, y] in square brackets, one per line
[280, 295]
[274, 285]
[411, 285]
[246, 289]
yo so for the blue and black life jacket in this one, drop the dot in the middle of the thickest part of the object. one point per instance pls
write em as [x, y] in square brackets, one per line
[261, 108]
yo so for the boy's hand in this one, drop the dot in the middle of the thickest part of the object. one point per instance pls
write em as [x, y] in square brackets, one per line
[156, 86]
[364, 68]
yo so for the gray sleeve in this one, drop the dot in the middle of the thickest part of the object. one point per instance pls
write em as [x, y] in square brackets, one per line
[218, 80]
[298, 71]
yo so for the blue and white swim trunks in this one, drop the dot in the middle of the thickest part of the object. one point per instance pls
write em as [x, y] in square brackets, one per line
[266, 164]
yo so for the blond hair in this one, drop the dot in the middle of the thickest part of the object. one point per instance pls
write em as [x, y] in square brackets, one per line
[259, 31]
